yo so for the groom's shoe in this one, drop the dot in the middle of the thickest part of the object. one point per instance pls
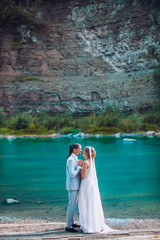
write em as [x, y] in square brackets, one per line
[71, 230]
[75, 225]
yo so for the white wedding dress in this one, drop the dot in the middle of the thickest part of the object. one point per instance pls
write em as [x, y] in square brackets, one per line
[91, 216]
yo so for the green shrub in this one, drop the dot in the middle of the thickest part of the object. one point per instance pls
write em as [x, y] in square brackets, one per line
[51, 131]
[14, 13]
[20, 121]
[5, 131]
[149, 127]
[49, 122]
[132, 123]
[11, 13]
[17, 45]
[108, 118]
[17, 79]
[102, 130]
[127, 126]
[2, 117]
[32, 78]
[45, 121]
[83, 123]
[31, 130]
[152, 118]
[63, 120]
[156, 75]
[22, 78]
[108, 122]
[67, 130]
[54, 122]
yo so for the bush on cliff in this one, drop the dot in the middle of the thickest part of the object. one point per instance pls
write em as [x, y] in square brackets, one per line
[54, 122]
[152, 118]
[45, 121]
[14, 13]
[2, 117]
[20, 121]
[149, 127]
[108, 118]
[131, 123]
[84, 123]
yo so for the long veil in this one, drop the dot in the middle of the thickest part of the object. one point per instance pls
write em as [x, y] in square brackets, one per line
[93, 168]
[96, 201]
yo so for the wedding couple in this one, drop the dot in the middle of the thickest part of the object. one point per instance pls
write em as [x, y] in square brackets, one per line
[82, 185]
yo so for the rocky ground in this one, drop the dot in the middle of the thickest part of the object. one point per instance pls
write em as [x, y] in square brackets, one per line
[39, 229]
[83, 135]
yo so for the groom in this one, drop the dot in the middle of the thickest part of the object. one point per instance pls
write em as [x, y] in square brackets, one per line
[73, 168]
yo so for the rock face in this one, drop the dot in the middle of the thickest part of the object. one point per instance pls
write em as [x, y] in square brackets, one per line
[91, 54]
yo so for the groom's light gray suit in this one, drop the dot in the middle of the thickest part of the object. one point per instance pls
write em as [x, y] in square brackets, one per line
[72, 185]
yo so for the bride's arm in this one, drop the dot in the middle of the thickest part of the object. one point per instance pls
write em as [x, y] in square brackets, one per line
[84, 170]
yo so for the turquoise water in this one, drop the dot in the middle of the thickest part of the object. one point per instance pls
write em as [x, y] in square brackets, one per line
[33, 171]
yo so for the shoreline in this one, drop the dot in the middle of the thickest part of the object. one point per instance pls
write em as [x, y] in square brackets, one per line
[44, 229]
[81, 135]
[118, 223]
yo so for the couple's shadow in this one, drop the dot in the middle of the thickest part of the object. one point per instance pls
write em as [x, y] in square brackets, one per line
[61, 231]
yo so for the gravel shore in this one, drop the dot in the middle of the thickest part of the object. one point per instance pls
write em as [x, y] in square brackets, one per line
[39, 229]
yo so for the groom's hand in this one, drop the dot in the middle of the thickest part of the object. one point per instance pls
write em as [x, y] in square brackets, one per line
[80, 163]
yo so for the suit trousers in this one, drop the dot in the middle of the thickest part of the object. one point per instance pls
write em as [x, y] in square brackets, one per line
[72, 202]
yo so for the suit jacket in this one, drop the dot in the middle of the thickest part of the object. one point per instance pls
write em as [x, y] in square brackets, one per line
[73, 173]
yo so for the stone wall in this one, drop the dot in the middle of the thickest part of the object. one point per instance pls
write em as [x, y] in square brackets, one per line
[90, 54]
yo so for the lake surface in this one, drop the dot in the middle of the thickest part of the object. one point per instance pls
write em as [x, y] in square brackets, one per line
[33, 171]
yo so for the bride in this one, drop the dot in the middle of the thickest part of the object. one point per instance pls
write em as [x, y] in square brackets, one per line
[91, 217]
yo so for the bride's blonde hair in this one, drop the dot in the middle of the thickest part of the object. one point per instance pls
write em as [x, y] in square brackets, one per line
[92, 150]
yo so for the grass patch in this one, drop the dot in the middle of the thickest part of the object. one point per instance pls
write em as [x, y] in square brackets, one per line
[17, 45]
[22, 78]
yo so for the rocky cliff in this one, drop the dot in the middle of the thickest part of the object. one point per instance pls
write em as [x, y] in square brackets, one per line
[89, 54]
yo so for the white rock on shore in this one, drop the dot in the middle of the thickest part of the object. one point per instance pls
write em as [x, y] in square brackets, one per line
[157, 134]
[150, 133]
[10, 201]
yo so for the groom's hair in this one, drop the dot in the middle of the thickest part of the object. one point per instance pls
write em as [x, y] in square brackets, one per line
[71, 147]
